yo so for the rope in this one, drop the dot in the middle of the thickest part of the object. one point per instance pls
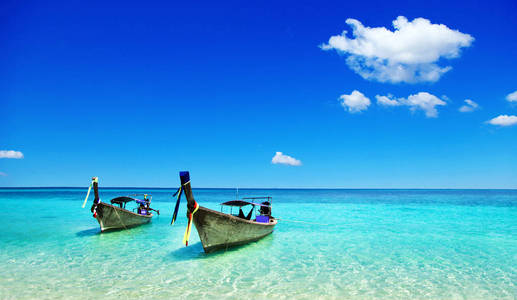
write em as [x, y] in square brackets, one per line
[190, 215]
[120, 219]
[312, 223]
[178, 192]
[186, 237]
[230, 233]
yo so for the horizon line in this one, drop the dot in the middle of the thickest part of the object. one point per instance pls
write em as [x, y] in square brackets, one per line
[250, 188]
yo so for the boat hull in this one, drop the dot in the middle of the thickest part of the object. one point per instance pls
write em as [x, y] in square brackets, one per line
[114, 218]
[220, 231]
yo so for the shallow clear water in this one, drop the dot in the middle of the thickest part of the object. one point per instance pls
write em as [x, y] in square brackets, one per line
[367, 244]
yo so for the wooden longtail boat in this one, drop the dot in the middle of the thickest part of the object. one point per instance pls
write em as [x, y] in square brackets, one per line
[218, 230]
[115, 215]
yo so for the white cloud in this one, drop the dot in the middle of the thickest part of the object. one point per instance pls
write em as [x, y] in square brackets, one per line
[426, 102]
[503, 120]
[421, 101]
[387, 101]
[283, 159]
[512, 97]
[355, 102]
[469, 106]
[3, 174]
[10, 154]
[408, 54]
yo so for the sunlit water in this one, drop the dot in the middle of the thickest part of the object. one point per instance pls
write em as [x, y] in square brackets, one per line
[361, 244]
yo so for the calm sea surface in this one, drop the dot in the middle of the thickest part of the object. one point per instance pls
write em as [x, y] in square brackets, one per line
[364, 244]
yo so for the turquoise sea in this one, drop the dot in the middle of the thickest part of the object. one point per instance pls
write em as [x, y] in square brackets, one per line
[360, 244]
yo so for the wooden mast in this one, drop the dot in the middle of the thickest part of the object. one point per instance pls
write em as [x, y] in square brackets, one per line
[96, 189]
[93, 209]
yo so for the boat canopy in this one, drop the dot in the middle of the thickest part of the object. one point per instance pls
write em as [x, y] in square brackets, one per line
[241, 203]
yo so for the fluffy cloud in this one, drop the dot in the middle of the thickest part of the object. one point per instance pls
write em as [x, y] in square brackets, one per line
[469, 106]
[10, 154]
[512, 97]
[283, 159]
[426, 102]
[355, 102]
[387, 101]
[421, 101]
[408, 54]
[503, 120]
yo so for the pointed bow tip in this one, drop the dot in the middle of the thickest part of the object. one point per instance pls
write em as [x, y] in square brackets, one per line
[184, 176]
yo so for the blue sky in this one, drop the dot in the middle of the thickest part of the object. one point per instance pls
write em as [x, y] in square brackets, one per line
[134, 93]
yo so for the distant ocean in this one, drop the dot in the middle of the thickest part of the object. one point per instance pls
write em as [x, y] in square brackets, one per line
[355, 244]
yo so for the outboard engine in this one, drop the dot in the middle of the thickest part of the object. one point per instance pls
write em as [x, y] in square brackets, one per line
[265, 210]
